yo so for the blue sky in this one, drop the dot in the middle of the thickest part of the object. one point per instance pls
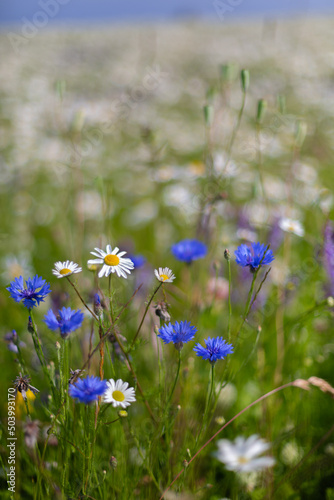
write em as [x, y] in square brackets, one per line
[135, 10]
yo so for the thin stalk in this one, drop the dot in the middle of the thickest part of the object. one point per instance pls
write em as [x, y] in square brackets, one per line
[105, 336]
[279, 320]
[250, 293]
[37, 342]
[260, 165]
[175, 381]
[110, 300]
[305, 457]
[229, 300]
[64, 395]
[270, 393]
[128, 362]
[144, 315]
[40, 354]
[27, 407]
[236, 128]
[207, 403]
[144, 459]
[90, 341]
[82, 300]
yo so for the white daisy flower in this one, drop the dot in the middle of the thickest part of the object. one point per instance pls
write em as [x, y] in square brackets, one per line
[242, 454]
[66, 268]
[112, 261]
[119, 393]
[291, 226]
[164, 274]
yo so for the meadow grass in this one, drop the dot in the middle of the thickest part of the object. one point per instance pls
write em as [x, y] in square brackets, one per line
[141, 138]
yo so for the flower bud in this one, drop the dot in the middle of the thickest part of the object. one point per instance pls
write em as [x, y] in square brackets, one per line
[208, 115]
[261, 110]
[244, 79]
[216, 265]
[30, 325]
[178, 346]
[227, 254]
[113, 462]
[281, 104]
[98, 309]
[228, 72]
[301, 132]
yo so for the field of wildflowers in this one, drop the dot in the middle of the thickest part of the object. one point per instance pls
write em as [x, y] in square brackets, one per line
[167, 250]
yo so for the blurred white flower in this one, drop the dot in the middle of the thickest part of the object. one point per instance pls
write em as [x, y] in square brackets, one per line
[242, 455]
[14, 266]
[291, 226]
[291, 453]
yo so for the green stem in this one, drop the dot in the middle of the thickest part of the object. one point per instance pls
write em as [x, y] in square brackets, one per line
[82, 300]
[249, 298]
[27, 407]
[229, 300]
[207, 403]
[110, 300]
[37, 343]
[175, 381]
[40, 354]
[250, 295]
[144, 459]
[270, 393]
[236, 128]
[144, 316]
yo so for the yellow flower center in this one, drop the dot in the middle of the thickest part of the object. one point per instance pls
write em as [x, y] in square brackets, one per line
[243, 460]
[164, 277]
[65, 271]
[111, 260]
[118, 396]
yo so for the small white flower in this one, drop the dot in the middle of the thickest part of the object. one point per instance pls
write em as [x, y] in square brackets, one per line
[242, 454]
[67, 268]
[164, 274]
[119, 393]
[112, 261]
[291, 226]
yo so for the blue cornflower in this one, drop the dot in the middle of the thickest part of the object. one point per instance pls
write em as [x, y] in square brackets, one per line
[246, 256]
[67, 320]
[189, 250]
[30, 295]
[138, 260]
[179, 333]
[215, 349]
[88, 389]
